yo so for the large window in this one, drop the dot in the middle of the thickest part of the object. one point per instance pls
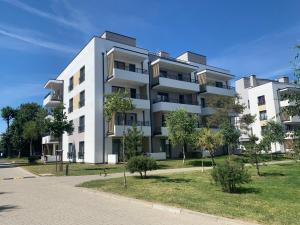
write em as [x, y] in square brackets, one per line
[81, 150]
[120, 65]
[263, 115]
[82, 74]
[70, 105]
[261, 100]
[162, 96]
[219, 84]
[132, 67]
[71, 151]
[71, 83]
[81, 124]
[82, 99]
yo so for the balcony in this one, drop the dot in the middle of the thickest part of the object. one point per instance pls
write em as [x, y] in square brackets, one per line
[205, 111]
[161, 131]
[173, 82]
[117, 129]
[290, 119]
[52, 100]
[141, 102]
[168, 104]
[130, 77]
[49, 139]
[212, 88]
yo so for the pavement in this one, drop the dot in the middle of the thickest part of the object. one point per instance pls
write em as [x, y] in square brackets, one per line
[56, 201]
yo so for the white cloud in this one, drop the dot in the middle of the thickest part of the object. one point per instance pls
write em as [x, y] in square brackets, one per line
[269, 55]
[31, 37]
[74, 19]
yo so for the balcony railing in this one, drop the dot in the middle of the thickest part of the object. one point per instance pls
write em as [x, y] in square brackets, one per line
[175, 100]
[224, 86]
[131, 69]
[54, 96]
[131, 123]
[155, 80]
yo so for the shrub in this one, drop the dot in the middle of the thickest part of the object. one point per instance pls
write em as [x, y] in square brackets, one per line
[141, 164]
[230, 175]
[33, 159]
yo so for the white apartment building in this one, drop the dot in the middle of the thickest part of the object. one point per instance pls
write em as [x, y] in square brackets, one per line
[157, 84]
[262, 98]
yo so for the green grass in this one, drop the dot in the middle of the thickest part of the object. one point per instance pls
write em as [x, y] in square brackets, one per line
[273, 198]
[79, 169]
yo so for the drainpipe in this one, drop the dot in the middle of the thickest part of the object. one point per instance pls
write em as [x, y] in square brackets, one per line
[103, 118]
[150, 99]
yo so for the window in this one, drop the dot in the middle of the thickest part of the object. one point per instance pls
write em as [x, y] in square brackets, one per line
[132, 93]
[181, 99]
[132, 67]
[71, 149]
[82, 99]
[163, 73]
[82, 75]
[162, 96]
[81, 150]
[203, 103]
[70, 105]
[219, 84]
[263, 130]
[131, 118]
[248, 104]
[120, 65]
[263, 115]
[71, 121]
[71, 84]
[81, 124]
[261, 100]
[115, 89]
[180, 77]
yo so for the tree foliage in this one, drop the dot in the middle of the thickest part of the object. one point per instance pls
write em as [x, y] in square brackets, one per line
[230, 135]
[133, 142]
[31, 133]
[141, 164]
[273, 133]
[209, 140]
[181, 127]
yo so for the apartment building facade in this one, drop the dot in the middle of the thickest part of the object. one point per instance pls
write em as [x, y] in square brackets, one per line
[156, 83]
[264, 99]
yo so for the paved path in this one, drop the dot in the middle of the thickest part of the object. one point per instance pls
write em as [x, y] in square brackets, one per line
[8, 171]
[55, 201]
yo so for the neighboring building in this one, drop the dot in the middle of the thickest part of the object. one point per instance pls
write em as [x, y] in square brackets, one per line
[262, 98]
[157, 85]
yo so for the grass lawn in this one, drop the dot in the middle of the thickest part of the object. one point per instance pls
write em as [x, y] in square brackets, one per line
[273, 198]
[79, 169]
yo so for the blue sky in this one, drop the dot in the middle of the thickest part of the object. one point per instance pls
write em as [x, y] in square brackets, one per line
[38, 38]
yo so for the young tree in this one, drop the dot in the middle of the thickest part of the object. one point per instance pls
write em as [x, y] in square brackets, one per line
[230, 135]
[118, 102]
[133, 142]
[273, 133]
[31, 133]
[210, 141]
[181, 127]
[7, 114]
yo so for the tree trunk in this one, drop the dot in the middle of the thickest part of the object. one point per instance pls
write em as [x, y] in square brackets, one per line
[30, 147]
[8, 140]
[256, 163]
[183, 154]
[202, 161]
[123, 150]
[212, 159]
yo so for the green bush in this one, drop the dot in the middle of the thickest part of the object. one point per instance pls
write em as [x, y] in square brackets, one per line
[141, 164]
[33, 159]
[230, 175]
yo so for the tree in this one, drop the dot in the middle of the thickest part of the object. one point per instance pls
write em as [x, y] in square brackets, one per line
[181, 127]
[59, 124]
[133, 142]
[230, 135]
[118, 102]
[7, 114]
[31, 132]
[209, 140]
[141, 164]
[253, 151]
[273, 133]
[225, 109]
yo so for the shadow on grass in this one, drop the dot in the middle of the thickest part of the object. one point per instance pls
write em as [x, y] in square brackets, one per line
[164, 179]
[274, 174]
[197, 163]
[246, 190]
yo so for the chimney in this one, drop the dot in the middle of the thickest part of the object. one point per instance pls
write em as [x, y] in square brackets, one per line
[284, 79]
[163, 54]
[252, 80]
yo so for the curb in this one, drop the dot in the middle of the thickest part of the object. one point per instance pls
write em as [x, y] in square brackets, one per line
[18, 178]
[166, 208]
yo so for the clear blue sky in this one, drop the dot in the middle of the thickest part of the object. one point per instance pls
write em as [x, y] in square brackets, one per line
[38, 38]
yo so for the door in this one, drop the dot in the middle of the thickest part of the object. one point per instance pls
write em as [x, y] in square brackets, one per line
[132, 93]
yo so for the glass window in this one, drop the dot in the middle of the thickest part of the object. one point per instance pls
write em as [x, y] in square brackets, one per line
[132, 67]
[219, 84]
[132, 93]
[261, 100]
[120, 65]
[163, 73]
[70, 105]
[181, 99]
[263, 115]
[82, 74]
[81, 124]
[203, 103]
[81, 150]
[82, 99]
[71, 84]
[117, 89]
[162, 96]
[180, 77]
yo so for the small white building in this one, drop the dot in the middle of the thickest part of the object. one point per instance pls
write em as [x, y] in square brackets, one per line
[157, 84]
[262, 98]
